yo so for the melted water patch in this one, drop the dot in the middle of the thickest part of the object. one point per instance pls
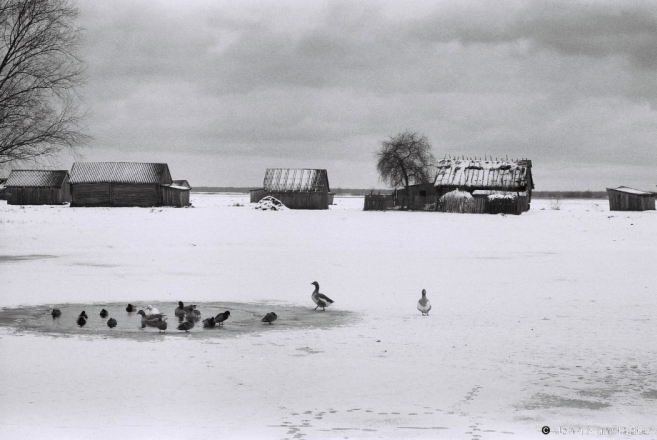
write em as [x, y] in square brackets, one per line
[244, 319]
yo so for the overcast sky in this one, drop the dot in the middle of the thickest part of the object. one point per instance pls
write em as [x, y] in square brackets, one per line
[222, 90]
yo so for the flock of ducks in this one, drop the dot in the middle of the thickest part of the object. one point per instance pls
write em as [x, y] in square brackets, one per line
[189, 315]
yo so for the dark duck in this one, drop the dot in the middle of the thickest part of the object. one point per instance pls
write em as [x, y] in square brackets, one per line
[130, 308]
[269, 317]
[82, 320]
[111, 323]
[319, 298]
[56, 313]
[209, 322]
[103, 313]
[221, 317]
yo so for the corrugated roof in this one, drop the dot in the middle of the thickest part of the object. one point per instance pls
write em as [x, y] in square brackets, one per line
[286, 179]
[483, 174]
[37, 178]
[625, 189]
[119, 172]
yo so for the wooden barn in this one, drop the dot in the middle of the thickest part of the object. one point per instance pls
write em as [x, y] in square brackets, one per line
[506, 185]
[126, 184]
[295, 188]
[38, 187]
[630, 199]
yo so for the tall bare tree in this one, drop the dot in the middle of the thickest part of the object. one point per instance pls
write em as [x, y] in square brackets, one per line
[39, 74]
[405, 159]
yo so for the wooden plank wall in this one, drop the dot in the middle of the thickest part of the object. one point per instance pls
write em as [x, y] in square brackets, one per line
[36, 196]
[90, 194]
[619, 201]
[144, 195]
[257, 195]
[175, 197]
[379, 202]
[302, 200]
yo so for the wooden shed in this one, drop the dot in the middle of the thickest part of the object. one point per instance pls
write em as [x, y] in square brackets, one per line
[38, 187]
[630, 199]
[176, 194]
[125, 184]
[295, 188]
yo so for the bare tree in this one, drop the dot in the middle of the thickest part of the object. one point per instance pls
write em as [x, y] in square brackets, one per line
[39, 74]
[405, 159]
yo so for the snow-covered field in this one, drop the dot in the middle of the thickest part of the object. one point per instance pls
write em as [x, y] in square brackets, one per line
[543, 319]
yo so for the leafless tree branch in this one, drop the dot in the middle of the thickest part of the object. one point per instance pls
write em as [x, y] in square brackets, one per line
[39, 73]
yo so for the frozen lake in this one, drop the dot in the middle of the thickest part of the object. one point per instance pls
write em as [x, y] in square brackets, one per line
[543, 319]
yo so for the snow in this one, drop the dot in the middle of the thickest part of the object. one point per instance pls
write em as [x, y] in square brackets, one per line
[270, 203]
[543, 319]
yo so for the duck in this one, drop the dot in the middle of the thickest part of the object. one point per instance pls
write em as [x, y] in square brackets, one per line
[161, 324]
[130, 308]
[319, 298]
[180, 310]
[269, 317]
[194, 315]
[186, 326]
[81, 321]
[221, 317]
[150, 321]
[56, 313]
[152, 311]
[103, 313]
[209, 322]
[84, 315]
[111, 323]
[424, 305]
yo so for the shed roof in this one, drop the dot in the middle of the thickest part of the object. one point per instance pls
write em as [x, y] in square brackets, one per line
[290, 179]
[484, 174]
[120, 172]
[625, 189]
[179, 184]
[36, 178]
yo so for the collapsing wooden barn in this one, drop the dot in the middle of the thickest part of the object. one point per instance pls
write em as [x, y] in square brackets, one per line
[630, 199]
[38, 187]
[295, 188]
[496, 186]
[126, 184]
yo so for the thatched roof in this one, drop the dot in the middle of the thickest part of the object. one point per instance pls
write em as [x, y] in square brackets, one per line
[120, 172]
[36, 178]
[484, 174]
[290, 179]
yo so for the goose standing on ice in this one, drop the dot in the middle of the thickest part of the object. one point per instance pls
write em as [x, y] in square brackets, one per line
[319, 298]
[149, 320]
[424, 305]
[181, 310]
[269, 317]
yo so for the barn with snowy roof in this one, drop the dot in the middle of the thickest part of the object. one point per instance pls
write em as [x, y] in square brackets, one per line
[630, 199]
[295, 188]
[126, 184]
[38, 187]
[497, 186]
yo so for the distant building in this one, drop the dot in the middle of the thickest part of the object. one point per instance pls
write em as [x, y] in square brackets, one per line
[126, 184]
[630, 199]
[38, 187]
[295, 188]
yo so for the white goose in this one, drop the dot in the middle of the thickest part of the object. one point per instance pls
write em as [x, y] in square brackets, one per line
[319, 298]
[424, 305]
